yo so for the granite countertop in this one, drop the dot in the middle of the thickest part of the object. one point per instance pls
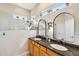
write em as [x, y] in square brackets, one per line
[72, 51]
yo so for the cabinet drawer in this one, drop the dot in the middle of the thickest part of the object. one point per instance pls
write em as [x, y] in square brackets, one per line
[52, 53]
[42, 53]
[37, 44]
[43, 48]
[33, 42]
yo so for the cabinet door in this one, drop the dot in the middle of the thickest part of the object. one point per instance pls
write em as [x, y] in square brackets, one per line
[36, 50]
[31, 47]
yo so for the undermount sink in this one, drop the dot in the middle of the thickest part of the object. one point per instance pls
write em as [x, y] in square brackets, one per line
[59, 47]
[37, 39]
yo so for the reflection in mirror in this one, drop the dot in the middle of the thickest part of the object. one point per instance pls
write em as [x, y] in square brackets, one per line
[64, 27]
[41, 31]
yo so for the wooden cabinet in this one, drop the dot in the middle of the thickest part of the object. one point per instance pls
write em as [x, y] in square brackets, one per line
[43, 53]
[43, 48]
[31, 47]
[36, 49]
[52, 53]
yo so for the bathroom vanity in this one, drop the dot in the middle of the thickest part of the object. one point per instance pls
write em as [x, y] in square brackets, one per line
[38, 49]
[43, 48]
[61, 40]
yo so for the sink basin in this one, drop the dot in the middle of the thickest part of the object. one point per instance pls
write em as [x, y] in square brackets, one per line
[37, 39]
[59, 47]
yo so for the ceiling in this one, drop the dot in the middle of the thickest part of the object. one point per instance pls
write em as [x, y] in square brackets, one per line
[28, 6]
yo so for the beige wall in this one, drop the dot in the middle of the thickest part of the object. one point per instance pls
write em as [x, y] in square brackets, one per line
[40, 7]
[73, 9]
[9, 8]
[15, 41]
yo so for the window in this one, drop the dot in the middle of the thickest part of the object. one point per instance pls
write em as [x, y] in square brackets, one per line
[59, 7]
[54, 8]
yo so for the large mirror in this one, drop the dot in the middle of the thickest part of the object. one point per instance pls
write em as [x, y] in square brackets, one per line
[63, 27]
[41, 31]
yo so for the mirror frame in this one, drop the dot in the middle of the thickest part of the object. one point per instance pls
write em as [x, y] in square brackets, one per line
[59, 15]
[38, 27]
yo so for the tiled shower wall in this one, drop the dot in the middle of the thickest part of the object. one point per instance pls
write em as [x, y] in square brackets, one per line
[14, 42]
